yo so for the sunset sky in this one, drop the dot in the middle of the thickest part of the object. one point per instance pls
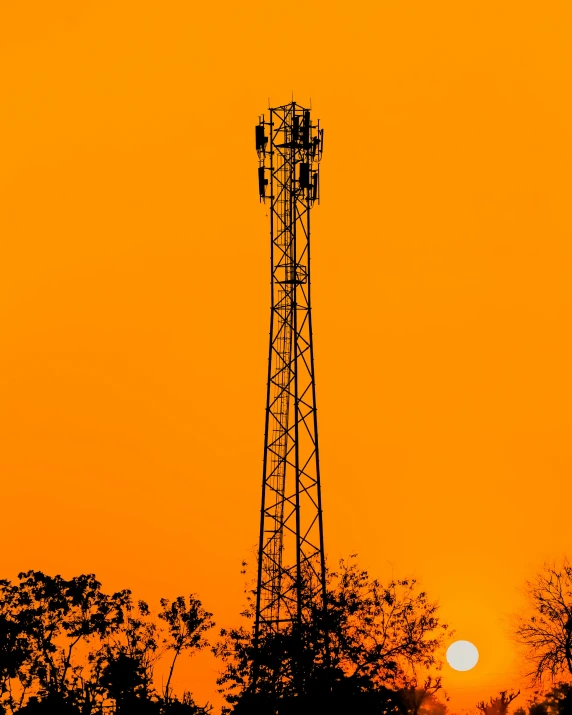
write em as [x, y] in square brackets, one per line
[134, 295]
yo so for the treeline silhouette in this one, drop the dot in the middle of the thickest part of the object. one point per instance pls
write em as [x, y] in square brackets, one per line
[383, 641]
[556, 700]
[69, 648]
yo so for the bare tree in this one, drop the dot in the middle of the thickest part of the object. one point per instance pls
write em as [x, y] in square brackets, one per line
[547, 633]
[498, 705]
[416, 700]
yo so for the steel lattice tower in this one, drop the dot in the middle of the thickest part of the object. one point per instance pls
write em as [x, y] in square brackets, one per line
[291, 563]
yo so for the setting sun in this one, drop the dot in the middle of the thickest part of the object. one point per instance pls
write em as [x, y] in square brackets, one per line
[462, 655]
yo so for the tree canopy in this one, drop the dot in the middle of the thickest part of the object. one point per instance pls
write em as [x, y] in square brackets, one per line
[380, 639]
[66, 646]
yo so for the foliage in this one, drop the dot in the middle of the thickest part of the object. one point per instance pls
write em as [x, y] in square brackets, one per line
[187, 624]
[556, 701]
[378, 638]
[381, 632]
[68, 647]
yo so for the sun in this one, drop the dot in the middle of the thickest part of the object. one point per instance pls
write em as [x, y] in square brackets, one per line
[462, 655]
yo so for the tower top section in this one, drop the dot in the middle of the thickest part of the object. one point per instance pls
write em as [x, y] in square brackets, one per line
[291, 141]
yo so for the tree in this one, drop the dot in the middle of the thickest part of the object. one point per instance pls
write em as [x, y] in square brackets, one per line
[382, 632]
[498, 705]
[66, 647]
[45, 618]
[186, 625]
[415, 700]
[556, 701]
[547, 633]
[126, 660]
[378, 636]
[15, 649]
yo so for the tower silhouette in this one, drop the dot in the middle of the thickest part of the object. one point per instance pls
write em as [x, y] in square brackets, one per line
[291, 563]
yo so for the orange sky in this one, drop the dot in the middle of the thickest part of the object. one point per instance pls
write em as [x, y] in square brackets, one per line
[134, 294]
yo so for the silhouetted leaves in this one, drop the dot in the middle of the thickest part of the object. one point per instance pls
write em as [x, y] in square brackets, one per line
[187, 623]
[557, 701]
[68, 648]
[378, 636]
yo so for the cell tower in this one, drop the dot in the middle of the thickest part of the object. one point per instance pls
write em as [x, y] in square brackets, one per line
[291, 563]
